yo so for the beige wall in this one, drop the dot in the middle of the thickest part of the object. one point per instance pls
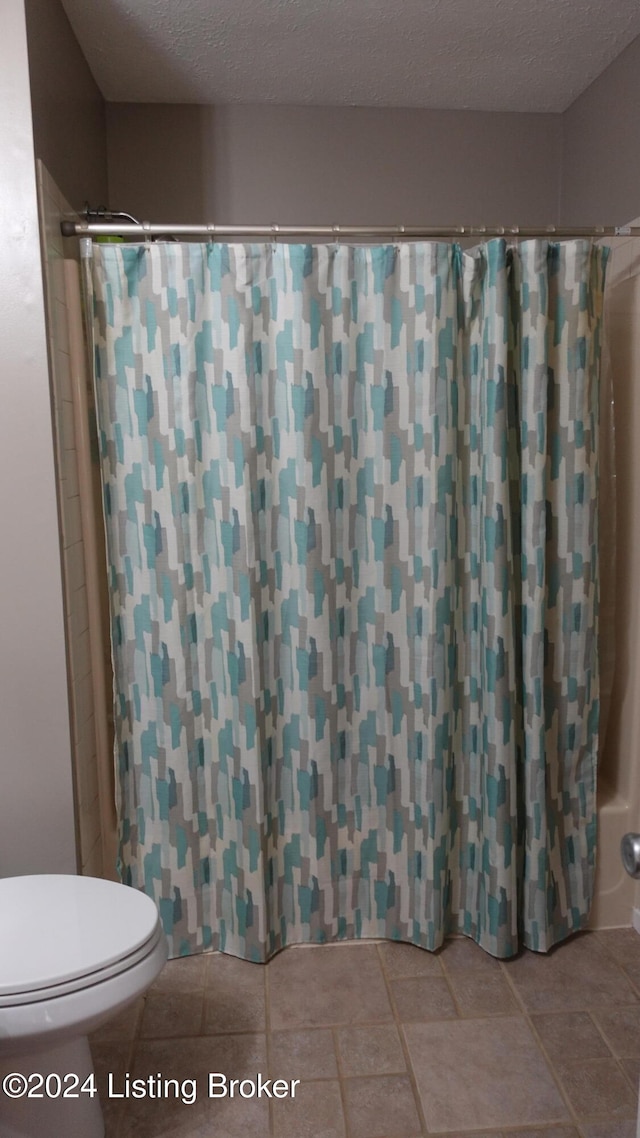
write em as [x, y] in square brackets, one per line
[601, 147]
[36, 804]
[155, 157]
[328, 165]
[68, 109]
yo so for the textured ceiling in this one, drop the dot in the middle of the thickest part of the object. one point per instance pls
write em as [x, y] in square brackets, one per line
[516, 55]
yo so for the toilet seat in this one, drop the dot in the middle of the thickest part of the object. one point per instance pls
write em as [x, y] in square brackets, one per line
[68, 933]
[87, 980]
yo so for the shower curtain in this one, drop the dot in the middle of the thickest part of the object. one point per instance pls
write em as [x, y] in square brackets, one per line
[350, 499]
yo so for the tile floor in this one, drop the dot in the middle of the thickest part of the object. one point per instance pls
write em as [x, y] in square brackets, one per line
[388, 1041]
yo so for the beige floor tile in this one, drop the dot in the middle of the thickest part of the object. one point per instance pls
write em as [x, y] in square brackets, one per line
[236, 1056]
[147, 1119]
[315, 1112]
[461, 954]
[631, 1068]
[620, 1129]
[482, 1073]
[632, 972]
[381, 1107]
[570, 1033]
[109, 1059]
[169, 1014]
[623, 944]
[489, 1068]
[234, 995]
[402, 960]
[546, 1132]
[422, 998]
[184, 974]
[163, 1117]
[111, 1126]
[239, 1118]
[621, 1029]
[597, 1088]
[121, 1027]
[226, 1118]
[577, 975]
[303, 1054]
[318, 987]
[372, 1050]
[482, 993]
[195, 1058]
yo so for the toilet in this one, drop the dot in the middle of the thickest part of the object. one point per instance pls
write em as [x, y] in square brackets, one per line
[74, 951]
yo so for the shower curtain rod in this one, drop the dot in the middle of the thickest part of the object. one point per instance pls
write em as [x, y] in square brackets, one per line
[147, 229]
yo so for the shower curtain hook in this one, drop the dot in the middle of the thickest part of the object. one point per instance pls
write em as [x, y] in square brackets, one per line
[336, 230]
[274, 244]
[146, 225]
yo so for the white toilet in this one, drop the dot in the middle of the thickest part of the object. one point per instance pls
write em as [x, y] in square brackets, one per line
[73, 952]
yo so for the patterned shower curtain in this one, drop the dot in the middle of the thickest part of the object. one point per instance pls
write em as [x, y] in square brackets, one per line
[350, 498]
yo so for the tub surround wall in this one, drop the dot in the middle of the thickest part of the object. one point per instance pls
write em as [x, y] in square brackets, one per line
[95, 812]
[619, 768]
[601, 183]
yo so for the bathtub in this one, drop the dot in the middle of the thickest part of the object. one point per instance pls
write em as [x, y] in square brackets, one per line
[617, 895]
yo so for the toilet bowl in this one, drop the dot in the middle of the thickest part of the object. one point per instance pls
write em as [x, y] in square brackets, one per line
[74, 951]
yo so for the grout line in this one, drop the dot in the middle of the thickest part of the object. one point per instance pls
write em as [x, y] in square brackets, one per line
[130, 1061]
[550, 1064]
[286, 1030]
[451, 988]
[635, 985]
[131, 1054]
[618, 1058]
[403, 1044]
[341, 1081]
[205, 985]
[633, 1085]
[600, 1031]
[267, 1028]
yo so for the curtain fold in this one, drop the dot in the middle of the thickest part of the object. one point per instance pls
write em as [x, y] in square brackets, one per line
[351, 514]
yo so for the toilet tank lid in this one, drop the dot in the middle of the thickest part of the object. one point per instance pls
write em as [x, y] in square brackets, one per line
[56, 927]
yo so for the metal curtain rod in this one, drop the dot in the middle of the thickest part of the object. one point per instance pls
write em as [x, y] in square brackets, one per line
[271, 232]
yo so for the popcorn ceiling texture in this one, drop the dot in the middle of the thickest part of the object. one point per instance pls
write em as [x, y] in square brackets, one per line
[497, 55]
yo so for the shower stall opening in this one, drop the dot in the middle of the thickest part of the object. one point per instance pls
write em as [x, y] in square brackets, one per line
[309, 895]
[350, 501]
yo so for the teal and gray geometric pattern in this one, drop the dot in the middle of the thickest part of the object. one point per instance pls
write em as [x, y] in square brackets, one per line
[351, 510]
